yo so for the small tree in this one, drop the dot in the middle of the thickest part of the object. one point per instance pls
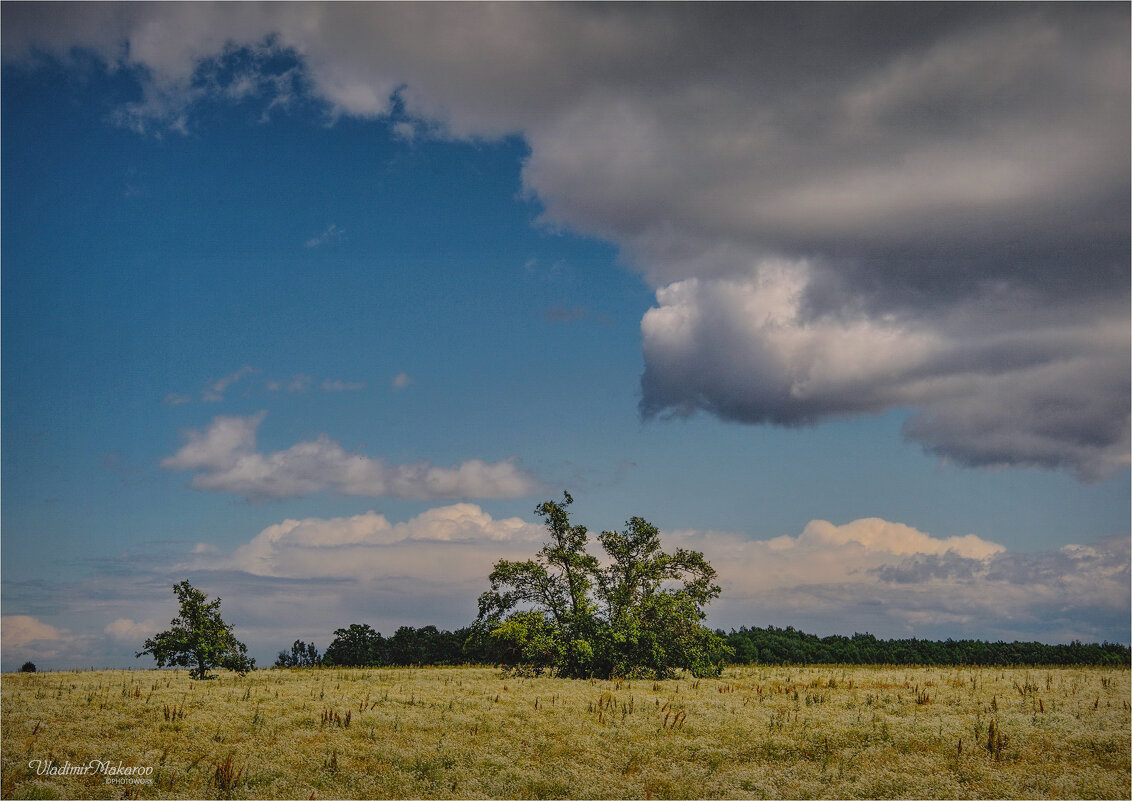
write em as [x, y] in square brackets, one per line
[639, 615]
[199, 639]
[303, 655]
[27, 667]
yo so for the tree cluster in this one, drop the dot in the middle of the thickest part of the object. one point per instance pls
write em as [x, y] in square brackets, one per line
[788, 646]
[361, 646]
[638, 614]
[302, 655]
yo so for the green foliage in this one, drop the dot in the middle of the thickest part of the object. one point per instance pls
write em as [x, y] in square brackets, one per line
[775, 646]
[356, 646]
[361, 646]
[638, 616]
[526, 641]
[27, 667]
[199, 639]
[303, 654]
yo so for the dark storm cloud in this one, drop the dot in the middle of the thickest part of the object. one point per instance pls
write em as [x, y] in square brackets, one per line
[843, 208]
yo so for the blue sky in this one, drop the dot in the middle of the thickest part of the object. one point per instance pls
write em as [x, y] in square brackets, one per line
[313, 304]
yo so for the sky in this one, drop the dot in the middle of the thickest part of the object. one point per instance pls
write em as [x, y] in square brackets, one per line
[312, 304]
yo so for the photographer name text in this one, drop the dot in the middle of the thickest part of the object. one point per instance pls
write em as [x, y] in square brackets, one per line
[95, 767]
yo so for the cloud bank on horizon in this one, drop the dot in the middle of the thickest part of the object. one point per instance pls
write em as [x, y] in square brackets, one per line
[842, 209]
[304, 578]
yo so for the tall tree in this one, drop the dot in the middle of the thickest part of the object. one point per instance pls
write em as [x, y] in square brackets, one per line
[355, 646]
[199, 639]
[640, 615]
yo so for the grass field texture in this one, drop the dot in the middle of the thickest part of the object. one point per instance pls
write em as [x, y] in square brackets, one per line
[757, 732]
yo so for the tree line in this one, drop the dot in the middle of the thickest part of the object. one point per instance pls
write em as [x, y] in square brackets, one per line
[636, 614]
[361, 646]
[199, 639]
[788, 646]
[640, 614]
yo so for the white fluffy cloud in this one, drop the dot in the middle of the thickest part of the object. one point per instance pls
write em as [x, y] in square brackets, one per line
[887, 577]
[25, 637]
[224, 459]
[125, 630]
[452, 546]
[305, 578]
[875, 534]
[955, 182]
[868, 574]
[823, 554]
[22, 630]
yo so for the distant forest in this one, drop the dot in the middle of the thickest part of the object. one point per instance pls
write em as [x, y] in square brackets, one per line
[360, 645]
[773, 646]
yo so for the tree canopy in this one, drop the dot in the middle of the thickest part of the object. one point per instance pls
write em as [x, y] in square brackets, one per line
[302, 655]
[199, 639]
[636, 613]
[788, 646]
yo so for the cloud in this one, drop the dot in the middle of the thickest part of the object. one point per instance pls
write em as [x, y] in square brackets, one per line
[20, 631]
[215, 448]
[451, 545]
[332, 234]
[875, 534]
[24, 637]
[214, 392]
[405, 130]
[866, 575]
[994, 386]
[303, 578]
[401, 380]
[225, 459]
[125, 630]
[299, 383]
[869, 574]
[823, 554]
[944, 186]
[891, 579]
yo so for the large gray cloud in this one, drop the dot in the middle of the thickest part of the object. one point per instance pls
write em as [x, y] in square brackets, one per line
[927, 204]
[998, 379]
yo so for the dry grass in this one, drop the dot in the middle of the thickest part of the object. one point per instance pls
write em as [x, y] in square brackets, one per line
[814, 732]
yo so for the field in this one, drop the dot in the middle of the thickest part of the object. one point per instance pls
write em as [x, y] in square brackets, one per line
[773, 732]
